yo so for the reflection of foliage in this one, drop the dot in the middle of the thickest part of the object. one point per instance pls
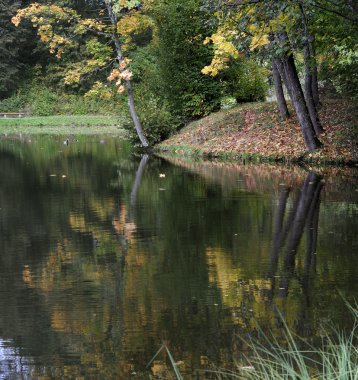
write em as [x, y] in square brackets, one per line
[188, 261]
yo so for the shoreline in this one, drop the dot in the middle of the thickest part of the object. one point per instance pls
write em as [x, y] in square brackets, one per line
[253, 132]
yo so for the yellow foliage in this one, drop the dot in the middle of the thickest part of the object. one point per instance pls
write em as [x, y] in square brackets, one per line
[100, 90]
[131, 24]
[223, 52]
[259, 41]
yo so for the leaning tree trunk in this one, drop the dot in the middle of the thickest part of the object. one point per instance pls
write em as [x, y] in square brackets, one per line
[315, 91]
[284, 80]
[127, 84]
[311, 140]
[308, 91]
[280, 96]
[133, 112]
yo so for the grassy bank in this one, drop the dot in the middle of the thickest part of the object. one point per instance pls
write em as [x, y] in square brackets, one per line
[255, 131]
[63, 124]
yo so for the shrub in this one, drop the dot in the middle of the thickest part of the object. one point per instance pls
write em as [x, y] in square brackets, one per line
[15, 103]
[43, 101]
[39, 100]
[156, 119]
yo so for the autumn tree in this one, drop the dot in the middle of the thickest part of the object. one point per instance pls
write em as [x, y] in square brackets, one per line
[267, 29]
[62, 29]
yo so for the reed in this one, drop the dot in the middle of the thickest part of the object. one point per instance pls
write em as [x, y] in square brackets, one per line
[335, 359]
[171, 359]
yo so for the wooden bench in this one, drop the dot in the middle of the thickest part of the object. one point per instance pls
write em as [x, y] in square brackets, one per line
[11, 115]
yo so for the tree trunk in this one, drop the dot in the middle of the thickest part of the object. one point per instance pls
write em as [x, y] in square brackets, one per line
[132, 110]
[284, 80]
[315, 91]
[308, 92]
[311, 65]
[281, 101]
[298, 100]
[128, 85]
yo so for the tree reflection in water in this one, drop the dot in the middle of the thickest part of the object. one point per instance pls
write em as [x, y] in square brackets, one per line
[184, 264]
[305, 213]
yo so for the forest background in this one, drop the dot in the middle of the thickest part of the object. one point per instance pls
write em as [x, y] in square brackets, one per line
[185, 59]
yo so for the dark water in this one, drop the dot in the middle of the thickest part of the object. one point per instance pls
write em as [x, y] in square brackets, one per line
[104, 255]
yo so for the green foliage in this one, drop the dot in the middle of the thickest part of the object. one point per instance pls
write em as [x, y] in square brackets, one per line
[181, 54]
[342, 77]
[39, 100]
[157, 121]
[45, 103]
[15, 103]
[153, 109]
[337, 45]
[15, 49]
[246, 81]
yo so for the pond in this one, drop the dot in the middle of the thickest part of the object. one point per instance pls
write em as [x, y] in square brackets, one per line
[106, 254]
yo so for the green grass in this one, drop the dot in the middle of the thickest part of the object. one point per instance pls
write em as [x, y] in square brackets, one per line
[335, 359]
[63, 124]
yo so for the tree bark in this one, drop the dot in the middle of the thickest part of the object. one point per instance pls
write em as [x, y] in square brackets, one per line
[133, 112]
[315, 91]
[311, 88]
[311, 140]
[127, 84]
[308, 91]
[284, 80]
[281, 101]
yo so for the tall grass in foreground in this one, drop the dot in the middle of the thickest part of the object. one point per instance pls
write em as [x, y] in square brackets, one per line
[337, 358]
[163, 347]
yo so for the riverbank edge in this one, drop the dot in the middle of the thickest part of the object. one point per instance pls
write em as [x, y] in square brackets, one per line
[181, 144]
[190, 152]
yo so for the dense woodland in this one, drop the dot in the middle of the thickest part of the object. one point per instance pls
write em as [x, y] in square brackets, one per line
[164, 63]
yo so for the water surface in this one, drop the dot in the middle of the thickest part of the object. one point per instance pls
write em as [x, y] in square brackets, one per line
[105, 255]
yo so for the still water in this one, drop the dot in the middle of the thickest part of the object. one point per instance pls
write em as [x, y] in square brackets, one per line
[105, 255]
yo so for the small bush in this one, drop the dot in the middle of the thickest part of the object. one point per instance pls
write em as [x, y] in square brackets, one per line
[156, 120]
[39, 100]
[43, 101]
[15, 103]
